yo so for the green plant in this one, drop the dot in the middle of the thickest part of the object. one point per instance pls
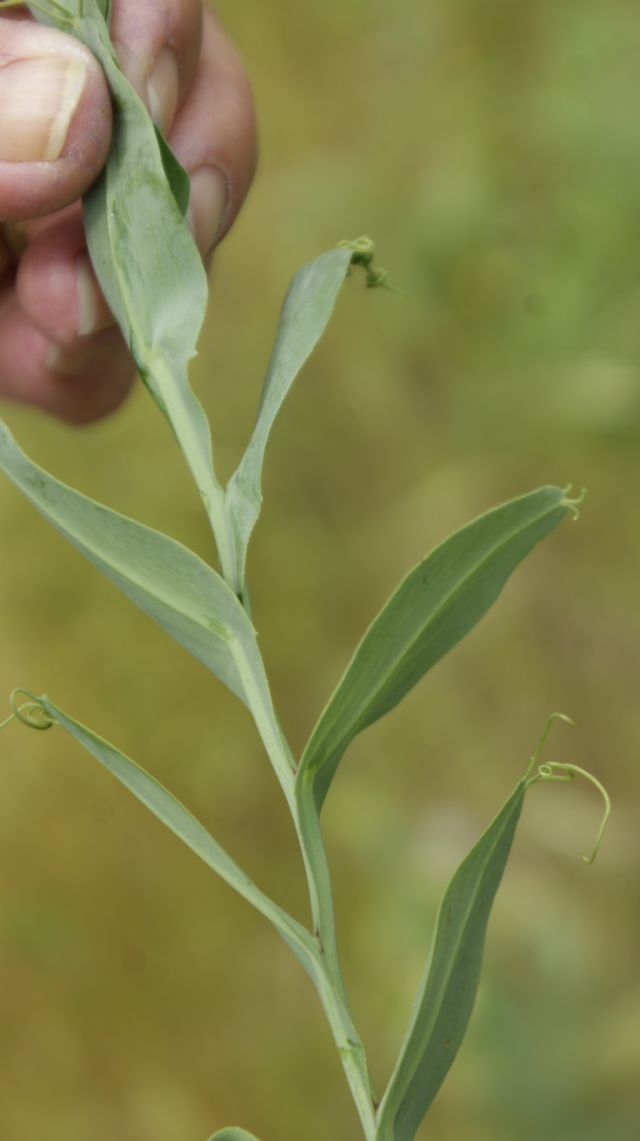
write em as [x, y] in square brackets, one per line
[157, 290]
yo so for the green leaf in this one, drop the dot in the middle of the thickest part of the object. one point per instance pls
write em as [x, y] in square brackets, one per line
[176, 175]
[186, 827]
[233, 1134]
[147, 262]
[447, 993]
[142, 250]
[436, 605]
[51, 12]
[143, 253]
[166, 580]
[305, 315]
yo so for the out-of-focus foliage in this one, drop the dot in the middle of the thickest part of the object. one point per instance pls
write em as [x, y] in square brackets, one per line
[493, 152]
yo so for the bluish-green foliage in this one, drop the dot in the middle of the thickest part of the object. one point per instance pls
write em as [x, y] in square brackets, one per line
[157, 292]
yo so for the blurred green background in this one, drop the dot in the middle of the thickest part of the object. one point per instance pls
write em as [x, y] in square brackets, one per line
[493, 152]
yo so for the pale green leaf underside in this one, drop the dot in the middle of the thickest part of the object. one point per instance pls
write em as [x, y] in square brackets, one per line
[431, 611]
[145, 257]
[447, 993]
[305, 315]
[166, 580]
[186, 827]
[150, 270]
[143, 252]
[139, 243]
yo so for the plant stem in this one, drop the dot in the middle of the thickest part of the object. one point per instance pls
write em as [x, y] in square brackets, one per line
[350, 1048]
[326, 972]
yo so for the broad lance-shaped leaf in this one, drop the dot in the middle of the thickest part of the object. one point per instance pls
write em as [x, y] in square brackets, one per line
[305, 315]
[435, 606]
[147, 263]
[447, 993]
[165, 579]
[186, 827]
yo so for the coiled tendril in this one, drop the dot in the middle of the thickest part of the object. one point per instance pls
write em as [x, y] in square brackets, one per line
[563, 771]
[30, 712]
[362, 253]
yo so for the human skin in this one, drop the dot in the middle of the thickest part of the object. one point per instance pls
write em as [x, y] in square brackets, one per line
[59, 349]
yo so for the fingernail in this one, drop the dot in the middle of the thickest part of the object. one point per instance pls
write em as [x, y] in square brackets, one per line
[162, 90]
[93, 314]
[207, 206]
[39, 98]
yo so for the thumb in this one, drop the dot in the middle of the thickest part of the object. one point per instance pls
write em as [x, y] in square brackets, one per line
[55, 119]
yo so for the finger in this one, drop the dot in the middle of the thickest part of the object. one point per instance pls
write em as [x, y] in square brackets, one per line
[79, 386]
[6, 260]
[214, 137]
[57, 288]
[55, 126]
[158, 46]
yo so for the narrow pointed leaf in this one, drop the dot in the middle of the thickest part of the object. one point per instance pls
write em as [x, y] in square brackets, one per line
[166, 580]
[305, 315]
[186, 827]
[431, 611]
[447, 993]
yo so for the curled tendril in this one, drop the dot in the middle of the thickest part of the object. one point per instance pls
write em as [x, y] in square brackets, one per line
[533, 761]
[362, 248]
[362, 253]
[556, 770]
[30, 712]
[562, 771]
[574, 505]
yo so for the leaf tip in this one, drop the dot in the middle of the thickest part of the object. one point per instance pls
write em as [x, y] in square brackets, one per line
[362, 254]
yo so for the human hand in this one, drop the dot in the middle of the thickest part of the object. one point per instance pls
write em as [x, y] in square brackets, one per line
[59, 349]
